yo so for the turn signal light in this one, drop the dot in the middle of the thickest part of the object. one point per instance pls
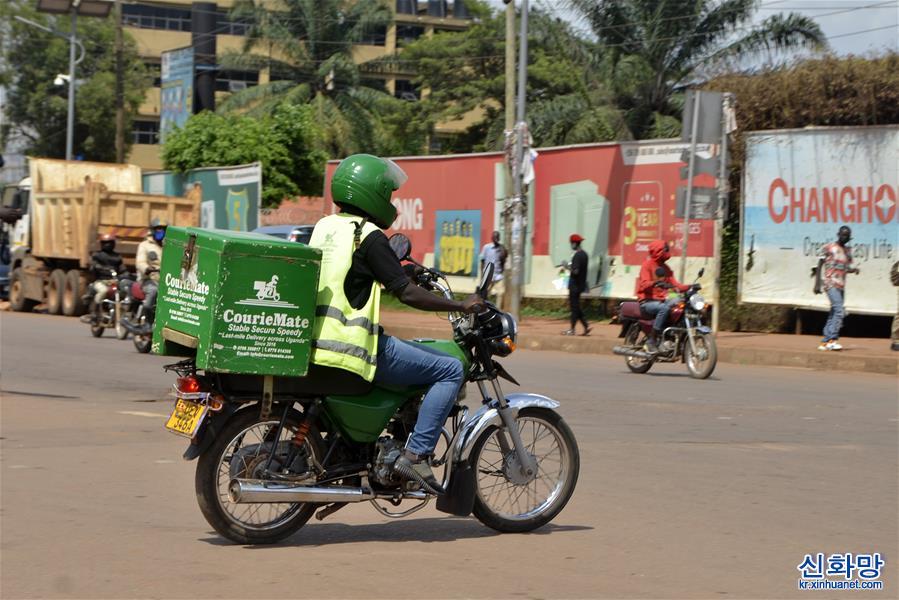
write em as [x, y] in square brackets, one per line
[507, 341]
[188, 385]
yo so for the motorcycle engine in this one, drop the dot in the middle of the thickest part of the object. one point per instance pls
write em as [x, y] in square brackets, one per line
[388, 451]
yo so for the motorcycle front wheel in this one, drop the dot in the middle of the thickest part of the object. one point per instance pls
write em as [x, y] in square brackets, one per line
[504, 499]
[241, 450]
[702, 356]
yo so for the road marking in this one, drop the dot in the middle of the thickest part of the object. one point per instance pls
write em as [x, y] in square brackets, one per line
[19, 467]
[140, 413]
[809, 418]
[725, 418]
[163, 461]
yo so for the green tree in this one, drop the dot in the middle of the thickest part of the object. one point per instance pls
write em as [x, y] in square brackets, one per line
[654, 48]
[308, 50]
[285, 142]
[465, 71]
[30, 60]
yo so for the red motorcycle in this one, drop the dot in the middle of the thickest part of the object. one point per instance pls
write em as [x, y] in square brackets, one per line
[112, 309]
[687, 338]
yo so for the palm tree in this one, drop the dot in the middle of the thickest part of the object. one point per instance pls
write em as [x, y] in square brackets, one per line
[308, 49]
[654, 48]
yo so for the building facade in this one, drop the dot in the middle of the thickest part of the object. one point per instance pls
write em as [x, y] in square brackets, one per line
[161, 26]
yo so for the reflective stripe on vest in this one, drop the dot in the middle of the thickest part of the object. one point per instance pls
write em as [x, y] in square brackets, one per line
[344, 337]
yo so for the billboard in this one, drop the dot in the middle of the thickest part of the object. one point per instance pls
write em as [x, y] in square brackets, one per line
[619, 197]
[231, 195]
[800, 187]
[177, 89]
[457, 242]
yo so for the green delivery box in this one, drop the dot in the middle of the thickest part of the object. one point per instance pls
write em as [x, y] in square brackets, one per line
[239, 302]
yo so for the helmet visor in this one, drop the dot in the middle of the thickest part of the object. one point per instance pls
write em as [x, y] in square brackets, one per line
[395, 175]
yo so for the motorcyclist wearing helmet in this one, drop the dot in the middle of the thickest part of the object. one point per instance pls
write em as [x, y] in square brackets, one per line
[356, 261]
[149, 255]
[656, 278]
[106, 263]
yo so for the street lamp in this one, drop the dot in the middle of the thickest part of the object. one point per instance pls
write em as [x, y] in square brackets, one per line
[87, 8]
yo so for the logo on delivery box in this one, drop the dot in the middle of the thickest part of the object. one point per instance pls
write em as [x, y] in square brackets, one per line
[267, 295]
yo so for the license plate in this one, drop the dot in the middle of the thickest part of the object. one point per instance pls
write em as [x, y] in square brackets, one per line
[186, 418]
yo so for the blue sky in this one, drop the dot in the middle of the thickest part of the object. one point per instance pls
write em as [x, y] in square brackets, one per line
[841, 20]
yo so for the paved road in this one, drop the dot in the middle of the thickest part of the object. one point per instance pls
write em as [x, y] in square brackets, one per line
[688, 489]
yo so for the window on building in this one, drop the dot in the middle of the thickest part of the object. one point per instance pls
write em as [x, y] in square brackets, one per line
[145, 132]
[154, 17]
[375, 36]
[235, 81]
[406, 34]
[154, 70]
[228, 27]
[406, 90]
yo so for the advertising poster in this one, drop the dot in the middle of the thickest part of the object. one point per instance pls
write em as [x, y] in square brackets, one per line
[457, 242]
[177, 89]
[231, 195]
[800, 187]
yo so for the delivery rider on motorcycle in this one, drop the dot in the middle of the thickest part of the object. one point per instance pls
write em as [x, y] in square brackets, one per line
[356, 261]
[149, 255]
[655, 279]
[106, 263]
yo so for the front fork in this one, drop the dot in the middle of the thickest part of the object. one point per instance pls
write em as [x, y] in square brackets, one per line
[507, 414]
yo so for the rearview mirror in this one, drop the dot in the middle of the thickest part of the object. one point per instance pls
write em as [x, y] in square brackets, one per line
[701, 271]
[486, 280]
[400, 245]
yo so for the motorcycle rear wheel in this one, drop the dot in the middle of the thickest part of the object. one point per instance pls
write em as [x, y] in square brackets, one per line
[241, 522]
[507, 506]
[635, 338]
[701, 364]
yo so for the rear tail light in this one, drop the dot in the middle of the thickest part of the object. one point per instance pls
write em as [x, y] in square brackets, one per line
[189, 385]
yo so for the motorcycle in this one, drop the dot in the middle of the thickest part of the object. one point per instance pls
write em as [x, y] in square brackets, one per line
[688, 338]
[113, 309]
[274, 451]
[140, 322]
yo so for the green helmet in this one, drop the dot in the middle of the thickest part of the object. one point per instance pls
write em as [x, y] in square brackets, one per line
[367, 182]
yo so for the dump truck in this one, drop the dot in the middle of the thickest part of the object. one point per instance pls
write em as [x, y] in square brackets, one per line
[65, 206]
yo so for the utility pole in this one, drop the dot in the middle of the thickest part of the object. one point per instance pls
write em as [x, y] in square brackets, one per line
[119, 86]
[686, 233]
[518, 209]
[70, 119]
[510, 124]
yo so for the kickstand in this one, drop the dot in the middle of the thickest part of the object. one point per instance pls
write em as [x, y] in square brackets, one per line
[329, 510]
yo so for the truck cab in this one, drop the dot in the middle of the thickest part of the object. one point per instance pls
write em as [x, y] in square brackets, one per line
[14, 226]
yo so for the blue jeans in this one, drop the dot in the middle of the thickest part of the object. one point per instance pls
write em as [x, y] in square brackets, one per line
[402, 363]
[835, 318]
[660, 309]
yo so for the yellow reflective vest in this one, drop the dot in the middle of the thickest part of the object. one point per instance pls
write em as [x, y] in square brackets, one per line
[343, 336]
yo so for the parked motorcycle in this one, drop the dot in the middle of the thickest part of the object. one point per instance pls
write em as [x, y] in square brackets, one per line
[114, 307]
[274, 451]
[687, 338]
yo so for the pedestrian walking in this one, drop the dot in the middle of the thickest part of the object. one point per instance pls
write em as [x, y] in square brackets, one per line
[495, 254]
[577, 284]
[834, 262]
[894, 337]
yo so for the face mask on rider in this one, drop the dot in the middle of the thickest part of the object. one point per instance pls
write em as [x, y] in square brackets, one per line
[158, 234]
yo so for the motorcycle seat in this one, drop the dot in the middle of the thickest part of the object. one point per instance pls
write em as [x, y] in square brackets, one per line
[319, 381]
[631, 310]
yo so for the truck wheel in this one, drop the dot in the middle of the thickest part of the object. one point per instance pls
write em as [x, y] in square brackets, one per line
[17, 299]
[72, 304]
[55, 285]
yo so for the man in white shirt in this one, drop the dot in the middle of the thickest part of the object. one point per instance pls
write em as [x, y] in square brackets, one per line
[496, 254]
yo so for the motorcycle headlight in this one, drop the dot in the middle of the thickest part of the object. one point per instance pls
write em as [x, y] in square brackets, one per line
[697, 302]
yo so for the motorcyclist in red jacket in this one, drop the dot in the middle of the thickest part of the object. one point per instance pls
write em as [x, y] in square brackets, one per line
[656, 278]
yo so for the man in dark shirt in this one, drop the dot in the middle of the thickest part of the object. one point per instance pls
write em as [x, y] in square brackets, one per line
[105, 264]
[577, 284]
[356, 258]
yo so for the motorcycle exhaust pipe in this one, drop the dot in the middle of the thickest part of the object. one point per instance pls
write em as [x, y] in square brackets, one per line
[628, 351]
[254, 490]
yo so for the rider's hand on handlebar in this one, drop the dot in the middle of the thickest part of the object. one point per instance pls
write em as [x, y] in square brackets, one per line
[663, 284]
[472, 304]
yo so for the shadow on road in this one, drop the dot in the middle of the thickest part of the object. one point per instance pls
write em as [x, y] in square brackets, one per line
[440, 529]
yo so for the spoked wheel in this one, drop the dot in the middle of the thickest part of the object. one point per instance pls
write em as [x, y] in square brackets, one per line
[635, 338]
[702, 361]
[242, 450]
[510, 502]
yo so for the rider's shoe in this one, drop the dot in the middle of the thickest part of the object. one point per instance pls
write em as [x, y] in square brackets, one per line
[651, 346]
[414, 468]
